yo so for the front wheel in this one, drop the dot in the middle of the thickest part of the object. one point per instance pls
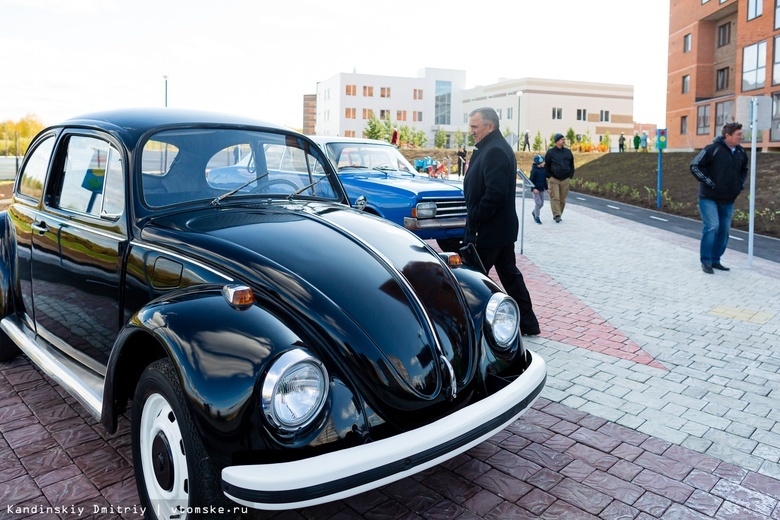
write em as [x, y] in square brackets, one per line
[172, 470]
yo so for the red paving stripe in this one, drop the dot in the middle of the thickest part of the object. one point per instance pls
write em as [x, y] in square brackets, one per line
[566, 319]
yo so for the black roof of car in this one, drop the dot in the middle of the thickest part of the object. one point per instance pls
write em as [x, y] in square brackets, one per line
[133, 123]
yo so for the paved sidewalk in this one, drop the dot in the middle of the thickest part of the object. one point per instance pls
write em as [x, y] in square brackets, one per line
[714, 381]
[661, 401]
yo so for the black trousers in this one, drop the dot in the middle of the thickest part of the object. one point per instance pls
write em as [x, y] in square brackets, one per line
[503, 258]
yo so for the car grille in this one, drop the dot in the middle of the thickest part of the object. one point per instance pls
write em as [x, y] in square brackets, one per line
[450, 208]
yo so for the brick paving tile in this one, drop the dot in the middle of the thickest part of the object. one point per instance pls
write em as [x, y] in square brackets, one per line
[556, 462]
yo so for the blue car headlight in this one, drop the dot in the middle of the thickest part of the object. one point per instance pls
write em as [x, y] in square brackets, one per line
[425, 210]
[294, 390]
[502, 317]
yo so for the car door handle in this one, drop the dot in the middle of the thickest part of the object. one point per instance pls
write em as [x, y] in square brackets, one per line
[40, 228]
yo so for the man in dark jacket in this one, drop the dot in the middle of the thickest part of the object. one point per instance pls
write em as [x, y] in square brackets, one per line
[491, 222]
[559, 163]
[721, 169]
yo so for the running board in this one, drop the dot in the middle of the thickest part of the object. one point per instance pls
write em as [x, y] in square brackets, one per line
[83, 384]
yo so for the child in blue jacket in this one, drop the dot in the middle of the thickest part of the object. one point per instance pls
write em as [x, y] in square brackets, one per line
[539, 180]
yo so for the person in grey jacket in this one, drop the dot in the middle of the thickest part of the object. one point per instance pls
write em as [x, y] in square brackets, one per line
[539, 180]
[721, 169]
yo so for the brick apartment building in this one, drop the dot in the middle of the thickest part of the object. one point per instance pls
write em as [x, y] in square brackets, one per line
[719, 51]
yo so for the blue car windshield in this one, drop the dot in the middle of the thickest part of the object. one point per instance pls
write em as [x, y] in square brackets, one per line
[369, 156]
[204, 164]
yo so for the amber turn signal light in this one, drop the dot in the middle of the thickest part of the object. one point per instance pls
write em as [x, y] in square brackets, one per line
[238, 295]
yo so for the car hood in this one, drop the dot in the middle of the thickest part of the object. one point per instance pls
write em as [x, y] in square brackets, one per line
[421, 185]
[395, 309]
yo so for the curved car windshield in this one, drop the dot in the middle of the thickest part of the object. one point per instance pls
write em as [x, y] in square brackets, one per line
[368, 156]
[180, 166]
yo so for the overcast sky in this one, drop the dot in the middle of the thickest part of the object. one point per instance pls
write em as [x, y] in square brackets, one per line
[62, 58]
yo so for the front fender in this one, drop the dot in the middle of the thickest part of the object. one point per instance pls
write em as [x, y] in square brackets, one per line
[219, 352]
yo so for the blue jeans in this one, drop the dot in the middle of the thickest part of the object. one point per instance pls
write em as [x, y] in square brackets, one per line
[716, 217]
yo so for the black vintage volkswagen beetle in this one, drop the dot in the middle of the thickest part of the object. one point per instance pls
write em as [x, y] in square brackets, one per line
[279, 348]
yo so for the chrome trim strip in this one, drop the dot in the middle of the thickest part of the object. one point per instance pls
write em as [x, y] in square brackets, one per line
[145, 245]
[82, 383]
[43, 217]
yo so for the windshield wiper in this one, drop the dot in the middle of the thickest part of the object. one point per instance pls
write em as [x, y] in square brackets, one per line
[222, 197]
[301, 190]
[351, 167]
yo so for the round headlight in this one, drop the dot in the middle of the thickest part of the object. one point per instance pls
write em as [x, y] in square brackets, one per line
[503, 318]
[294, 390]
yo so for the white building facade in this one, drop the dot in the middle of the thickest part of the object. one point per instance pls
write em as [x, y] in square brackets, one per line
[430, 102]
[553, 106]
[437, 100]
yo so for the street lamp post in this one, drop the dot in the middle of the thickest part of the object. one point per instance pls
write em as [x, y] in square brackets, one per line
[166, 91]
[519, 95]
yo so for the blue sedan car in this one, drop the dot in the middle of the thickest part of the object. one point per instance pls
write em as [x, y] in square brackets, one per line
[376, 170]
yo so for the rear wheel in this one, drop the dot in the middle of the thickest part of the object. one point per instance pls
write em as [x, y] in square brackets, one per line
[172, 470]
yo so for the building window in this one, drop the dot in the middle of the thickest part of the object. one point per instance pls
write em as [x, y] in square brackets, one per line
[754, 66]
[349, 133]
[722, 79]
[352, 90]
[686, 83]
[724, 34]
[777, 14]
[724, 113]
[582, 114]
[498, 111]
[368, 113]
[683, 125]
[703, 120]
[368, 91]
[509, 113]
[604, 116]
[385, 92]
[384, 114]
[704, 2]
[755, 9]
[687, 43]
[774, 134]
[417, 116]
[557, 113]
[443, 103]
[776, 67]
[400, 115]
[351, 113]
[418, 93]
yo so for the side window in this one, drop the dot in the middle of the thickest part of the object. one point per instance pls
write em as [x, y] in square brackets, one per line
[34, 174]
[92, 180]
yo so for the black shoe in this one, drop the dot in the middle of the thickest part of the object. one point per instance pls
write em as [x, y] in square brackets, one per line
[720, 267]
[707, 268]
[536, 219]
[532, 332]
[558, 219]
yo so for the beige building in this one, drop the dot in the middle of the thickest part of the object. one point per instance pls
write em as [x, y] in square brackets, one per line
[437, 100]
[550, 106]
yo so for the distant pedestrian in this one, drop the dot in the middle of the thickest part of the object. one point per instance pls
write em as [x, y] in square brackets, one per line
[527, 141]
[559, 167]
[643, 142]
[637, 140]
[462, 154]
[721, 169]
[491, 221]
[539, 180]
[622, 143]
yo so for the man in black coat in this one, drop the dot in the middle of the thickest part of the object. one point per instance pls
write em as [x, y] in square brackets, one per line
[491, 223]
[559, 163]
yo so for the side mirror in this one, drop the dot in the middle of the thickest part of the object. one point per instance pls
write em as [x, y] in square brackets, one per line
[360, 203]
